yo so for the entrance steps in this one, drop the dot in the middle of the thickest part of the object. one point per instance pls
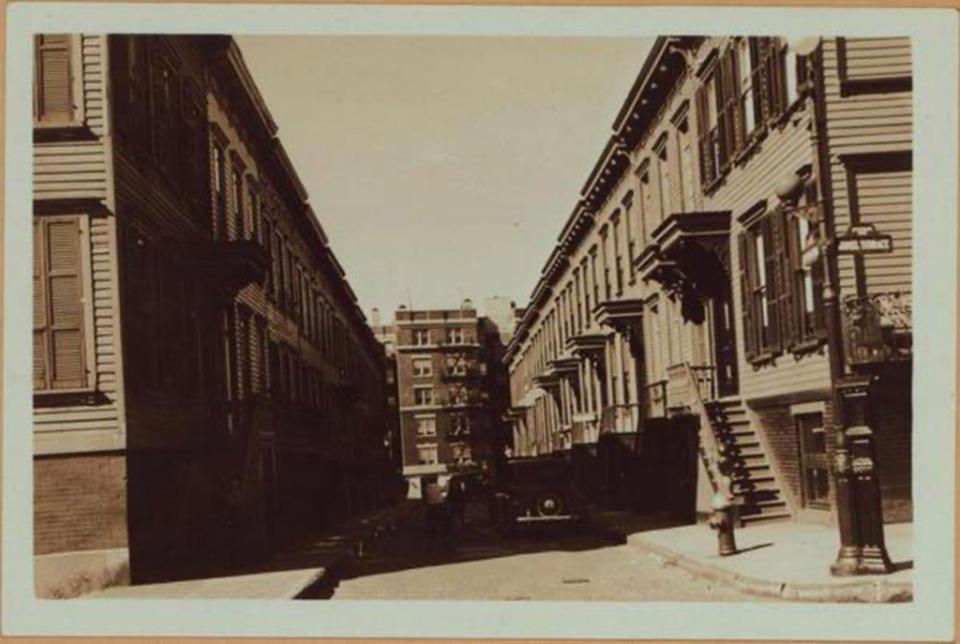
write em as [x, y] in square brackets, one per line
[753, 480]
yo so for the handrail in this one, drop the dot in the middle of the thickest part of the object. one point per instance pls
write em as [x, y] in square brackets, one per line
[710, 449]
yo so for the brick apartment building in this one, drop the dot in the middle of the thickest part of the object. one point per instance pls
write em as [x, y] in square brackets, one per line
[204, 380]
[681, 319]
[452, 388]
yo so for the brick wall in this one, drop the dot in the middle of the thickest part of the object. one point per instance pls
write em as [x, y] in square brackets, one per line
[891, 424]
[79, 502]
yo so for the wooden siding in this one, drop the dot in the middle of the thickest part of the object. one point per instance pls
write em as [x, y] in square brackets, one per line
[785, 150]
[877, 123]
[77, 169]
[66, 169]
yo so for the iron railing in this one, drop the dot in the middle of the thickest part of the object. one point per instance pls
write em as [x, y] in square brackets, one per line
[878, 328]
[710, 448]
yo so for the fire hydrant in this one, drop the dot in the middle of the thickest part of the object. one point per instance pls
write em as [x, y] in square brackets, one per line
[722, 520]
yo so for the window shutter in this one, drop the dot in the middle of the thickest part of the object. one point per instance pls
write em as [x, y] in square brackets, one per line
[63, 290]
[41, 368]
[746, 297]
[733, 116]
[54, 85]
[723, 127]
[703, 138]
[776, 78]
[756, 58]
[791, 286]
[770, 228]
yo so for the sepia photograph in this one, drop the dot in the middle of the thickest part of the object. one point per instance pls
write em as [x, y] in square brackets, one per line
[480, 317]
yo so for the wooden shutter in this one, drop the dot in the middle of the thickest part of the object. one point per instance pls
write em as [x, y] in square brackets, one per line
[756, 82]
[54, 82]
[791, 284]
[746, 296]
[733, 115]
[58, 305]
[41, 367]
[776, 78]
[770, 229]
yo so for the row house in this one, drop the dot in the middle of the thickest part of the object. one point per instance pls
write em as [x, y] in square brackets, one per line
[204, 380]
[680, 330]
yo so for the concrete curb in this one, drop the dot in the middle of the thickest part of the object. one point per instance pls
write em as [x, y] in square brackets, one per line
[872, 591]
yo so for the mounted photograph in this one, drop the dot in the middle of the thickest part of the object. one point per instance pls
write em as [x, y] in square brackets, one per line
[500, 320]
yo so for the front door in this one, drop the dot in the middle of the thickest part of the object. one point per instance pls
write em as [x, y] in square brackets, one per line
[725, 345]
[815, 479]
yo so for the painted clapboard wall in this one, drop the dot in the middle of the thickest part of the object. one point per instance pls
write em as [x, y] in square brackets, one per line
[786, 148]
[69, 170]
[872, 127]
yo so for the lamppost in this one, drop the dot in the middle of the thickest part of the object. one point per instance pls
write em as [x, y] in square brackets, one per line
[856, 486]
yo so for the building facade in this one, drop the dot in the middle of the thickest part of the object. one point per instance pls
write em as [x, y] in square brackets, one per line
[679, 336]
[452, 395]
[204, 380]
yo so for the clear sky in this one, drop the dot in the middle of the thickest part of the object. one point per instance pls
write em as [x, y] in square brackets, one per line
[442, 168]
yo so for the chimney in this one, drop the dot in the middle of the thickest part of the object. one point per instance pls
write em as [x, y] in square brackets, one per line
[467, 304]
[375, 317]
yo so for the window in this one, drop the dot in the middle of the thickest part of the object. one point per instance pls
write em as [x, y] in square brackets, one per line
[806, 313]
[664, 174]
[758, 256]
[253, 205]
[631, 243]
[606, 268]
[459, 425]
[750, 83]
[461, 454]
[617, 253]
[456, 365]
[782, 299]
[750, 77]
[421, 337]
[240, 231]
[219, 189]
[59, 347]
[427, 454]
[266, 239]
[422, 396]
[276, 266]
[587, 311]
[593, 277]
[455, 336]
[53, 100]
[422, 367]
[459, 395]
[426, 426]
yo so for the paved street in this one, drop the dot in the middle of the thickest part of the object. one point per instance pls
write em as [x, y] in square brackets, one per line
[484, 565]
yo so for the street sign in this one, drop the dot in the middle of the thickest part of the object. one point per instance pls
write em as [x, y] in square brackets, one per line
[863, 239]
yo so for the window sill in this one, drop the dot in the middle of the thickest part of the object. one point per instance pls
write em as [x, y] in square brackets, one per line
[763, 360]
[72, 130]
[806, 347]
[84, 396]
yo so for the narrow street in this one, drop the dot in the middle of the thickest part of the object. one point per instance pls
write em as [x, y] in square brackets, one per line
[562, 565]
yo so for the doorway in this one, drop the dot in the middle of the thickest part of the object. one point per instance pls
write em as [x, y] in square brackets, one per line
[725, 344]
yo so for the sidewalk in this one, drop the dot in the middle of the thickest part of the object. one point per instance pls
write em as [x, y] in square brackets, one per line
[295, 570]
[784, 559]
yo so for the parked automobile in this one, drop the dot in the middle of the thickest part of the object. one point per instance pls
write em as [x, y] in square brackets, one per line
[536, 492]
